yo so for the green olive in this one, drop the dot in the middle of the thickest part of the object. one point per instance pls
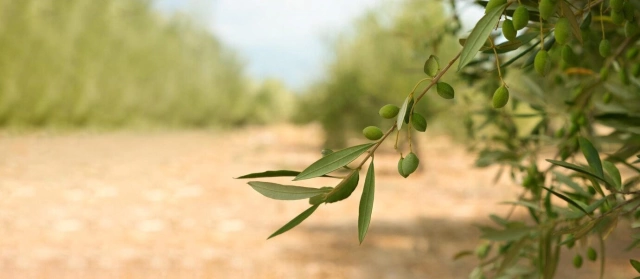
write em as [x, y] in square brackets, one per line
[500, 97]
[389, 111]
[372, 133]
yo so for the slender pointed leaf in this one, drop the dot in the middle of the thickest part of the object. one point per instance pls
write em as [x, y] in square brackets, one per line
[577, 168]
[333, 161]
[591, 154]
[366, 202]
[509, 234]
[592, 207]
[523, 203]
[499, 220]
[274, 173]
[568, 13]
[479, 35]
[578, 231]
[345, 188]
[296, 221]
[607, 224]
[572, 184]
[635, 264]
[403, 111]
[462, 254]
[614, 173]
[285, 192]
[511, 256]
[567, 199]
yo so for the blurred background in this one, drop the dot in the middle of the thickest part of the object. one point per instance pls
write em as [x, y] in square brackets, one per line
[123, 123]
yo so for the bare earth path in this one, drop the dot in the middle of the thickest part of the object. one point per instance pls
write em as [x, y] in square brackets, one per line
[164, 205]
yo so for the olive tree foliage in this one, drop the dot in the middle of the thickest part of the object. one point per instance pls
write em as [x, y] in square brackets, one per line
[372, 66]
[559, 75]
[113, 63]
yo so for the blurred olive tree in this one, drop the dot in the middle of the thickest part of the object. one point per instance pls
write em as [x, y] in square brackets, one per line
[373, 65]
[69, 63]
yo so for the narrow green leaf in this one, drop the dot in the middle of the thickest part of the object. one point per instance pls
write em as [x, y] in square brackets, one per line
[569, 182]
[577, 168]
[592, 207]
[275, 173]
[462, 254]
[567, 199]
[524, 203]
[591, 154]
[511, 256]
[345, 188]
[635, 264]
[404, 110]
[511, 45]
[479, 35]
[509, 234]
[578, 231]
[285, 192]
[568, 13]
[499, 220]
[333, 161]
[295, 221]
[366, 203]
[614, 173]
[432, 66]
[607, 224]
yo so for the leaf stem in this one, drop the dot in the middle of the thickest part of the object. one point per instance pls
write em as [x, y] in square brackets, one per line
[495, 52]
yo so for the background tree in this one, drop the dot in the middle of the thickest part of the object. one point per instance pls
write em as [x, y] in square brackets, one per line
[115, 63]
[372, 66]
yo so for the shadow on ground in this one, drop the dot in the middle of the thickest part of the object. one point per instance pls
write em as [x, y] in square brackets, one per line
[419, 249]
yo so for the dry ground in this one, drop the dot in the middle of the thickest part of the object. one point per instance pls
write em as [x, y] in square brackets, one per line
[164, 205]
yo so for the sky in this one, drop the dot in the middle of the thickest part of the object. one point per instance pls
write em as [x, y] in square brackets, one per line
[283, 39]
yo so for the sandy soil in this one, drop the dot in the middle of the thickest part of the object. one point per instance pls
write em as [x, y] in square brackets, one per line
[165, 205]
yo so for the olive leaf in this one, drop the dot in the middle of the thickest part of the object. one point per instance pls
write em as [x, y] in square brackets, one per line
[635, 264]
[419, 122]
[571, 17]
[445, 90]
[333, 161]
[577, 168]
[403, 111]
[567, 199]
[285, 192]
[274, 173]
[508, 234]
[479, 35]
[295, 221]
[591, 154]
[614, 173]
[345, 188]
[366, 203]
[566, 180]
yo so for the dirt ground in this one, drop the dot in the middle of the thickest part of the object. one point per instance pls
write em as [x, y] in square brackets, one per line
[165, 205]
